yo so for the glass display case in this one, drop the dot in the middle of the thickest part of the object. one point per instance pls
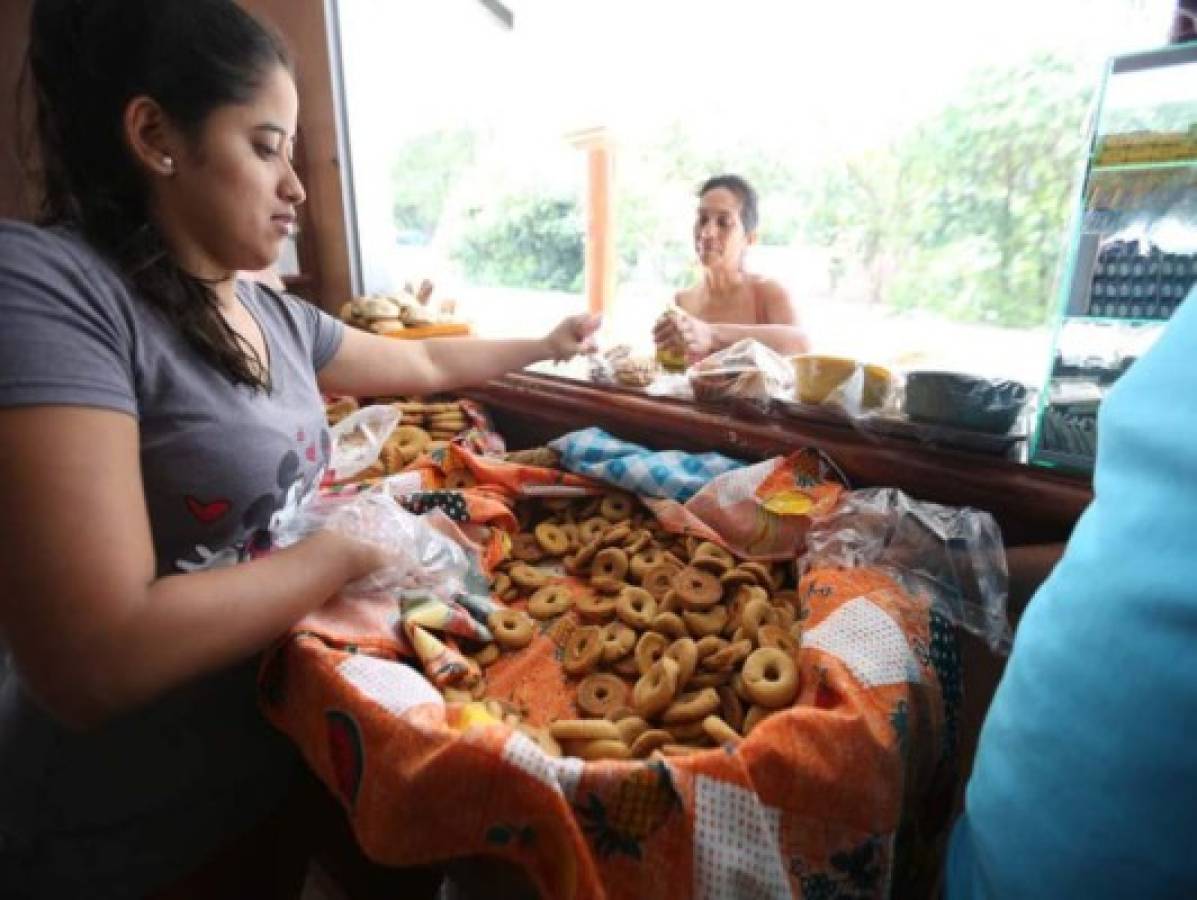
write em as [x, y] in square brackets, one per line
[1132, 252]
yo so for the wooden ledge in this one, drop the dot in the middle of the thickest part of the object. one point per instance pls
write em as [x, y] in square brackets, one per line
[1031, 504]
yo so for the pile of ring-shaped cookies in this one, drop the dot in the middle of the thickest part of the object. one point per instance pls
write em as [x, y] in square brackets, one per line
[681, 646]
[423, 426]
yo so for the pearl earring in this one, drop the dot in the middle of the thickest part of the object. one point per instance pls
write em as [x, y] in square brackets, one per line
[169, 163]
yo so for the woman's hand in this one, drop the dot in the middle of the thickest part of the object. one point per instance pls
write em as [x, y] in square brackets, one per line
[665, 332]
[679, 330]
[358, 558]
[574, 335]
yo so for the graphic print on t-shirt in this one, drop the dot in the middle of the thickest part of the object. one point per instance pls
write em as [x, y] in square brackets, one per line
[207, 512]
[266, 515]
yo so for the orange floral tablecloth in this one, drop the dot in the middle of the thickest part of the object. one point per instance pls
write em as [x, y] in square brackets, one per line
[846, 794]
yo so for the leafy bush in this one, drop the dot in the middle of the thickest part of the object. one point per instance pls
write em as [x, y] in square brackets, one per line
[524, 241]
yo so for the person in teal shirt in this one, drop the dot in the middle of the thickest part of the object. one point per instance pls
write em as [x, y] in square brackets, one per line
[1085, 781]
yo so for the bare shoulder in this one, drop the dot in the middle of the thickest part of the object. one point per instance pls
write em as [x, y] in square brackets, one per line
[774, 301]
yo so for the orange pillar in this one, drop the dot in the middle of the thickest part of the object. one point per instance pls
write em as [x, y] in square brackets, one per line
[600, 231]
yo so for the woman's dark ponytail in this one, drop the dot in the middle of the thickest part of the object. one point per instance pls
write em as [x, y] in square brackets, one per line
[88, 59]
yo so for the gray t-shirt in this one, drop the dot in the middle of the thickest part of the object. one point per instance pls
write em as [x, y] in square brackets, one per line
[117, 810]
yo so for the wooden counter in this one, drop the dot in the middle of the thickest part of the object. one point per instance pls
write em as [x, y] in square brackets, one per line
[1031, 504]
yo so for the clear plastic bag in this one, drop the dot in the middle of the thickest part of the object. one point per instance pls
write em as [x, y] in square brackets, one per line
[602, 365]
[746, 372]
[960, 400]
[421, 560]
[953, 554]
[358, 438]
[672, 384]
[842, 385]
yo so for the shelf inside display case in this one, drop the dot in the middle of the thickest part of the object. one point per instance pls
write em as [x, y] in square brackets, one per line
[1090, 357]
[1146, 166]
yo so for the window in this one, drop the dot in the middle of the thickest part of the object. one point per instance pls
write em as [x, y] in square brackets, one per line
[915, 161]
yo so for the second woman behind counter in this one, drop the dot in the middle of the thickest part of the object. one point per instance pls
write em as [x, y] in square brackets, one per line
[730, 303]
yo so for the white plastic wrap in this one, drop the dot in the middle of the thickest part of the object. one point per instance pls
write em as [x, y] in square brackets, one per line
[954, 555]
[673, 385]
[746, 372]
[420, 559]
[358, 438]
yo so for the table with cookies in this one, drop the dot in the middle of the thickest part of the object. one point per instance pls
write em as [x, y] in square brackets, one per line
[643, 695]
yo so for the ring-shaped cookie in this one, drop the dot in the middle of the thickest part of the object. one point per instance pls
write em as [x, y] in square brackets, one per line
[552, 539]
[636, 607]
[727, 658]
[648, 741]
[550, 600]
[631, 727]
[584, 730]
[770, 678]
[610, 563]
[684, 652]
[410, 440]
[669, 624]
[759, 571]
[616, 535]
[617, 507]
[698, 589]
[691, 706]
[656, 689]
[658, 579]
[637, 541]
[688, 733]
[704, 624]
[582, 651]
[670, 603]
[570, 530]
[593, 529]
[650, 648]
[712, 557]
[595, 607]
[643, 560]
[719, 731]
[708, 645]
[583, 557]
[733, 578]
[618, 641]
[606, 749]
[527, 577]
[601, 693]
[513, 630]
[756, 614]
[605, 584]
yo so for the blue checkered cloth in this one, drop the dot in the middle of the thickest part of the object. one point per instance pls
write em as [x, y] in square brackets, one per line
[671, 474]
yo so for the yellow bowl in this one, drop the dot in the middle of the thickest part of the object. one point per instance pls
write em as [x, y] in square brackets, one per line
[877, 384]
[817, 376]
